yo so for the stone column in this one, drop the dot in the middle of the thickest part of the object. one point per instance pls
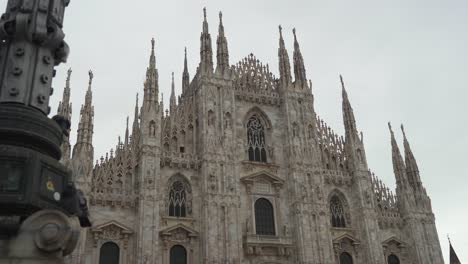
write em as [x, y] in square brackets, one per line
[45, 237]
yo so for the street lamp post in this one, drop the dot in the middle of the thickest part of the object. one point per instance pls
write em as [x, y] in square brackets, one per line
[39, 205]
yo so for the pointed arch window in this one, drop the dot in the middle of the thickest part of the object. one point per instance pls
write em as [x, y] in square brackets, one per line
[337, 212]
[109, 253]
[256, 139]
[264, 217]
[178, 255]
[345, 258]
[393, 259]
[178, 199]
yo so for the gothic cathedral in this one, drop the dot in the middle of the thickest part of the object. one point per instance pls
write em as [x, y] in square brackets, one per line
[240, 169]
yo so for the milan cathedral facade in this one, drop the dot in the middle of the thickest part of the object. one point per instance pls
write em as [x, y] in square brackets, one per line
[240, 169]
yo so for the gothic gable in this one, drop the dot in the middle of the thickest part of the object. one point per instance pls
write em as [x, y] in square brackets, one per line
[394, 241]
[179, 229]
[346, 238]
[112, 230]
[262, 181]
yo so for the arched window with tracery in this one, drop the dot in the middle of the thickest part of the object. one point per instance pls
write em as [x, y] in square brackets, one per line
[393, 259]
[179, 198]
[178, 255]
[264, 217]
[337, 212]
[256, 139]
[109, 253]
[345, 258]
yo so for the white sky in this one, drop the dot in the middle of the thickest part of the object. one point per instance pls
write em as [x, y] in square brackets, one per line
[402, 61]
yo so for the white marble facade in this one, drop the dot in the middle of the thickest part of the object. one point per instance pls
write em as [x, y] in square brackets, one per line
[240, 169]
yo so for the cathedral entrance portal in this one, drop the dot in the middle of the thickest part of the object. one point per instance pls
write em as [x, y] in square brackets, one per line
[178, 255]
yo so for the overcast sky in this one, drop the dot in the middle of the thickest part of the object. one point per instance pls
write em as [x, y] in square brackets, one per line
[402, 61]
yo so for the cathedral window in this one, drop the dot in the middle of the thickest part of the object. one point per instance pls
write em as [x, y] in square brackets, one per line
[392, 259]
[337, 212]
[109, 253]
[178, 255]
[179, 197]
[264, 217]
[177, 200]
[256, 139]
[345, 258]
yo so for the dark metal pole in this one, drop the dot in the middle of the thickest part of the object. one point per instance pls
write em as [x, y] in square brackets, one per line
[31, 177]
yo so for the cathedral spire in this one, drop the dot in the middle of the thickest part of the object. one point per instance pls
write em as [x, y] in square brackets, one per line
[299, 69]
[65, 107]
[398, 164]
[151, 89]
[172, 103]
[206, 52]
[65, 110]
[126, 133]
[284, 66]
[348, 114]
[185, 74]
[135, 118]
[222, 55]
[85, 126]
[412, 170]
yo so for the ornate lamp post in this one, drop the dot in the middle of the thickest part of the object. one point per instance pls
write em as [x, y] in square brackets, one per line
[38, 201]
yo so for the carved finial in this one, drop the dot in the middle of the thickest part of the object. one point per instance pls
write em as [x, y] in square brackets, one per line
[403, 130]
[152, 43]
[204, 13]
[294, 33]
[280, 30]
[136, 99]
[390, 128]
[69, 72]
[342, 82]
[172, 78]
[220, 17]
[91, 76]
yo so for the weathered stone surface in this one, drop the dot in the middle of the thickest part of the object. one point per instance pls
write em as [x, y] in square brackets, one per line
[202, 154]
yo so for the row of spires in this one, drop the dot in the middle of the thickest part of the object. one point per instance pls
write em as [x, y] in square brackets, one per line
[407, 173]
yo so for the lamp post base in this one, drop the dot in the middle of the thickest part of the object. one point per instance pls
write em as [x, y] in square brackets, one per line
[46, 236]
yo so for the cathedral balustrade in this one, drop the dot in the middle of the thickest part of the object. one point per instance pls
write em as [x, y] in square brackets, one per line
[337, 177]
[179, 160]
[268, 245]
[113, 199]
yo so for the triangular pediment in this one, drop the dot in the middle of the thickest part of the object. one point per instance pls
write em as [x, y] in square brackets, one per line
[347, 236]
[176, 228]
[112, 224]
[262, 176]
[394, 240]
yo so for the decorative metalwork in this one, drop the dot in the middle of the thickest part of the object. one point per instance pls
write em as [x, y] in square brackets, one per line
[179, 205]
[345, 258]
[264, 217]
[256, 139]
[337, 212]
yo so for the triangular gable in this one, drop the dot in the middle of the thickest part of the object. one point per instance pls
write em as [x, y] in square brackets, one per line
[395, 240]
[263, 174]
[348, 236]
[125, 230]
[168, 231]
